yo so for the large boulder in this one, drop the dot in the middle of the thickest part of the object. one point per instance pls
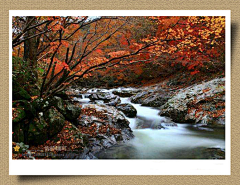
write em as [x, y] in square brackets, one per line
[114, 102]
[151, 97]
[22, 112]
[55, 121]
[18, 114]
[68, 110]
[155, 99]
[38, 131]
[72, 111]
[125, 92]
[127, 109]
[19, 128]
[139, 97]
[104, 126]
[163, 123]
[58, 103]
[32, 131]
[203, 104]
[19, 93]
[106, 97]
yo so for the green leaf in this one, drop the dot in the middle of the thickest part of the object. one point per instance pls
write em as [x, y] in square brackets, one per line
[40, 69]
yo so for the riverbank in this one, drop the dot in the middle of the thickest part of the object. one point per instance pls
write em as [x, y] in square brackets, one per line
[197, 139]
[153, 122]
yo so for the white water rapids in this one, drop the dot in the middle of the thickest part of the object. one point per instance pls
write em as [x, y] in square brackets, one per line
[173, 142]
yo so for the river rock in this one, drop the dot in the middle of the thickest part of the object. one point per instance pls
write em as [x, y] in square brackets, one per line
[55, 121]
[114, 102]
[127, 92]
[203, 104]
[151, 97]
[68, 110]
[215, 153]
[127, 109]
[58, 103]
[164, 123]
[38, 131]
[106, 97]
[104, 125]
[138, 98]
[71, 111]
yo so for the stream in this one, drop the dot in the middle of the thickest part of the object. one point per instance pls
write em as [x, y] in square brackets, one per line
[181, 141]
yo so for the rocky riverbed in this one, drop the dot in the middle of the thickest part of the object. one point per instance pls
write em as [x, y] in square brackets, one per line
[144, 123]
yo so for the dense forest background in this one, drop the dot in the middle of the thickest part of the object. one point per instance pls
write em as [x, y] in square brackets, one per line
[114, 51]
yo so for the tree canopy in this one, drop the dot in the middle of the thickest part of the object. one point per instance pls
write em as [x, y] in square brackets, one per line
[66, 49]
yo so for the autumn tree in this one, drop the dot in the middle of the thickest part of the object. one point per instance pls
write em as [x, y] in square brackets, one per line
[194, 41]
[69, 48]
[182, 44]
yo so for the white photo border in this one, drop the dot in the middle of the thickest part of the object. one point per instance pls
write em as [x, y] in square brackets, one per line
[126, 167]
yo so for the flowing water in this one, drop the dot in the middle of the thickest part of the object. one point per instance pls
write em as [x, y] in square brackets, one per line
[181, 141]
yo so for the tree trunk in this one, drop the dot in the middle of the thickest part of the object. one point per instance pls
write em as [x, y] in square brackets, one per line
[30, 49]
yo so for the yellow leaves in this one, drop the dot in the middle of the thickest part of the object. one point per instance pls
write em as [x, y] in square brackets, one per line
[34, 97]
[94, 61]
[58, 142]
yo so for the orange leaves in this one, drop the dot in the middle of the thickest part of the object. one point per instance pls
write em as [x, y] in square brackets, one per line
[60, 65]
[54, 45]
[123, 41]
[144, 56]
[118, 53]
[66, 66]
[99, 51]
[192, 37]
[138, 70]
[56, 25]
[194, 72]
[93, 61]
[65, 43]
[219, 113]
[50, 18]
[34, 97]
[206, 90]
[191, 66]
[167, 22]
[65, 84]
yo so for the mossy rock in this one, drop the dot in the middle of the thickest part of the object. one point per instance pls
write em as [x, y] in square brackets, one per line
[55, 121]
[58, 103]
[18, 115]
[27, 106]
[63, 95]
[19, 93]
[68, 110]
[18, 131]
[41, 104]
[38, 131]
[72, 112]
